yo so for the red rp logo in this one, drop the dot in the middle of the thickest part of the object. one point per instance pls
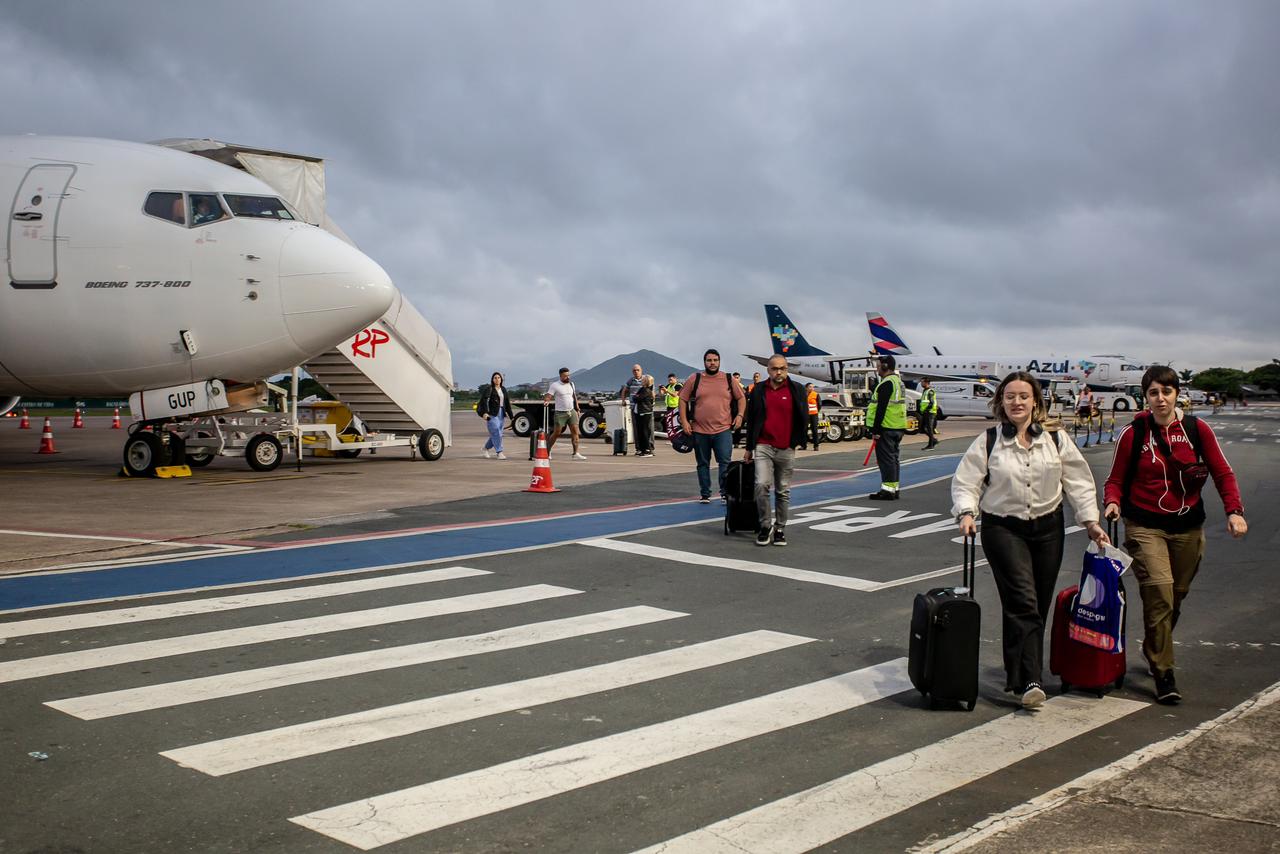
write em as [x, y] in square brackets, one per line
[371, 337]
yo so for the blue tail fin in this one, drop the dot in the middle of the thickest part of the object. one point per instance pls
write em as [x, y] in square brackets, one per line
[787, 340]
[883, 337]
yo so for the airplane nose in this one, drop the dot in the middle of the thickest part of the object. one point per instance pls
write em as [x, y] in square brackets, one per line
[329, 289]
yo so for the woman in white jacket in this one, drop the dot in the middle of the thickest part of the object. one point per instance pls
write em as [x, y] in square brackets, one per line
[1017, 490]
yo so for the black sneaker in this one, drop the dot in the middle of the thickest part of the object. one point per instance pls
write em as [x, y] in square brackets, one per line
[724, 499]
[706, 499]
[884, 495]
[779, 537]
[1167, 690]
[764, 537]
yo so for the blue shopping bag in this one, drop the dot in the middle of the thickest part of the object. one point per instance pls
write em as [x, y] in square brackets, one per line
[1098, 610]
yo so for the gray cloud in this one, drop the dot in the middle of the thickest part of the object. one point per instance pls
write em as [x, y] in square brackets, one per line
[560, 182]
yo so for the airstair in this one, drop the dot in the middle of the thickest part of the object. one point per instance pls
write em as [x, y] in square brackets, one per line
[396, 375]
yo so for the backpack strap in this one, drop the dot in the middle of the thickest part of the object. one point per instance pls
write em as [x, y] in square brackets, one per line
[1137, 438]
[1191, 426]
[991, 444]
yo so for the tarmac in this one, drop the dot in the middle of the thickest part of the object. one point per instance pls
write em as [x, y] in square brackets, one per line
[1209, 787]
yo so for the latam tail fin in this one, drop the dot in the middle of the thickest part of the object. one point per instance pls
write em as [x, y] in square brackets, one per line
[787, 340]
[885, 340]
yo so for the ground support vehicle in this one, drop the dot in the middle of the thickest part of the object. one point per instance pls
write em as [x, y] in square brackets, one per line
[263, 439]
[532, 415]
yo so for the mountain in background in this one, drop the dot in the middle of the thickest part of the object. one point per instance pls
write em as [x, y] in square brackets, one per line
[611, 374]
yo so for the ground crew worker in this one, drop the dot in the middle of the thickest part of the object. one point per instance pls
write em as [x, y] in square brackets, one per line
[927, 410]
[887, 415]
[671, 391]
[811, 394]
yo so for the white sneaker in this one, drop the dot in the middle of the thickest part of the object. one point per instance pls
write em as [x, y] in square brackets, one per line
[488, 454]
[502, 456]
[578, 456]
[1033, 697]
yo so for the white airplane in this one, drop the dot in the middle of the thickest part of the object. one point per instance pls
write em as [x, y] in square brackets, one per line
[1101, 373]
[134, 268]
[1105, 373]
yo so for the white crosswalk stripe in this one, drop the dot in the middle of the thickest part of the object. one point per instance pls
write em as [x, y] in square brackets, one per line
[839, 807]
[277, 745]
[801, 821]
[131, 700]
[144, 613]
[67, 662]
[375, 821]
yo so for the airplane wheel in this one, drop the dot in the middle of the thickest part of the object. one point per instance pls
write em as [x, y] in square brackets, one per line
[143, 452]
[431, 444]
[263, 453]
[200, 457]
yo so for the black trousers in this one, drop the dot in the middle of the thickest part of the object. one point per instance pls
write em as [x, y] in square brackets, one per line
[927, 421]
[813, 430]
[642, 423]
[1025, 557]
[887, 456]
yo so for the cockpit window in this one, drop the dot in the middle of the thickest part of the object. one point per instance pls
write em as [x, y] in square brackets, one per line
[168, 206]
[261, 207]
[205, 208]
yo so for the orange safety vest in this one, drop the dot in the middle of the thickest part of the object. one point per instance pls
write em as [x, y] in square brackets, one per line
[813, 403]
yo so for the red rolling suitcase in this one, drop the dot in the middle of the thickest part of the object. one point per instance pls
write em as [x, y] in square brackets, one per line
[1078, 664]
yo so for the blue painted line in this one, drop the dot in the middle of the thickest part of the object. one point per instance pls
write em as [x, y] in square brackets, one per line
[285, 563]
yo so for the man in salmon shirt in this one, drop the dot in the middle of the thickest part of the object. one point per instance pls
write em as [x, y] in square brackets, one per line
[1161, 463]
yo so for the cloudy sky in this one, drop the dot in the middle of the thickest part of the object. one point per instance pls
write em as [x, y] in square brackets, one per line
[560, 182]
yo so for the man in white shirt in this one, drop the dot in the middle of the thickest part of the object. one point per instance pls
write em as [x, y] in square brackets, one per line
[566, 410]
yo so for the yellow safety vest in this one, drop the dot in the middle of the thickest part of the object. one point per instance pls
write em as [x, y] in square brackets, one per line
[928, 401]
[895, 414]
[672, 392]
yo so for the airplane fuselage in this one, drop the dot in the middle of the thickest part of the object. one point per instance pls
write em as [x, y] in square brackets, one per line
[113, 283]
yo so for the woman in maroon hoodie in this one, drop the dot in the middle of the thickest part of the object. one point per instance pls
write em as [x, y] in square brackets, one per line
[1161, 463]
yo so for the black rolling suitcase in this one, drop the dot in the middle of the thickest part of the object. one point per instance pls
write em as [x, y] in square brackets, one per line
[620, 442]
[740, 498]
[945, 627]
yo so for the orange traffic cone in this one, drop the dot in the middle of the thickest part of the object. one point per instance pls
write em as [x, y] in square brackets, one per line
[541, 480]
[46, 439]
[115, 420]
[79, 422]
[25, 423]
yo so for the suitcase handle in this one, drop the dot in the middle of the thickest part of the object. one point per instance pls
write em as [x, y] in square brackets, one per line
[970, 561]
[1113, 532]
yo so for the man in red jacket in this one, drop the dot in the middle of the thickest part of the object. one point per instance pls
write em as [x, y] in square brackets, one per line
[1161, 463]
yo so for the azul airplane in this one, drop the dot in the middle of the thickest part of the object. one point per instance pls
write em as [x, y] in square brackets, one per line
[1100, 372]
[136, 268]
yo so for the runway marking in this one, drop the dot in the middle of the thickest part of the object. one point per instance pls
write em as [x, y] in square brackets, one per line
[846, 582]
[86, 537]
[254, 750]
[67, 662]
[94, 619]
[832, 810]
[393, 816]
[130, 700]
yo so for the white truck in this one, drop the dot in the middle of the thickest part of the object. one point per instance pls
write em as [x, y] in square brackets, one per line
[964, 398]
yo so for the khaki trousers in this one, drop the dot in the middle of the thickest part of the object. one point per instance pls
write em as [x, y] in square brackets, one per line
[1164, 565]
